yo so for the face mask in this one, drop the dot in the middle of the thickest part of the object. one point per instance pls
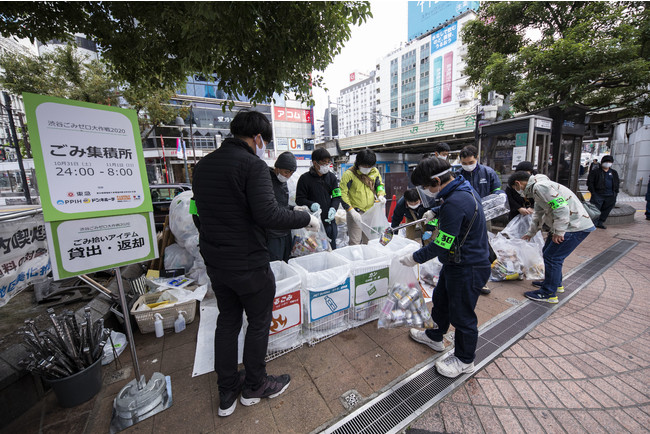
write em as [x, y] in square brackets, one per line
[282, 179]
[469, 167]
[521, 192]
[414, 206]
[429, 193]
[607, 165]
[323, 169]
[260, 151]
[365, 170]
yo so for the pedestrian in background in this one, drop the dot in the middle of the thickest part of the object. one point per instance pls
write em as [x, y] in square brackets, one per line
[603, 184]
[520, 205]
[570, 224]
[361, 186]
[593, 165]
[235, 203]
[319, 190]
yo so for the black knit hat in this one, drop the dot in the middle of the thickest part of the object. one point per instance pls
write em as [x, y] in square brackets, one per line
[286, 160]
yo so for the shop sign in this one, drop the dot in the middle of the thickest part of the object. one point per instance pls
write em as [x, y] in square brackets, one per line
[542, 123]
[286, 312]
[518, 155]
[285, 114]
[296, 145]
[329, 301]
[370, 286]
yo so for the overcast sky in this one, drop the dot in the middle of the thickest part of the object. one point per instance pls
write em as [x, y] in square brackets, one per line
[368, 43]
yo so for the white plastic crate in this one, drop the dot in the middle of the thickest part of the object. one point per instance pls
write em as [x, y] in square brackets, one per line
[325, 281]
[285, 333]
[369, 279]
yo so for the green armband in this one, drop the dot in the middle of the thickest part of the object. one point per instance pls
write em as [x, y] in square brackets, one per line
[444, 240]
[193, 210]
[558, 203]
[433, 222]
[336, 193]
[381, 189]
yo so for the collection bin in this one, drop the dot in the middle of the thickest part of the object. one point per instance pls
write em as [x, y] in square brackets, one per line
[285, 332]
[395, 249]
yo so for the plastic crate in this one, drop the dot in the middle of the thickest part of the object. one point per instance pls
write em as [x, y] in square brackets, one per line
[285, 333]
[169, 313]
[369, 281]
[325, 279]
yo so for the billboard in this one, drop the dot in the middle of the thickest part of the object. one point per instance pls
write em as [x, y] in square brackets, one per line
[285, 114]
[424, 16]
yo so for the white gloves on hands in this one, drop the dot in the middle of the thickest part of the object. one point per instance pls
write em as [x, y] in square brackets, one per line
[315, 207]
[382, 199]
[429, 215]
[408, 260]
[356, 217]
[301, 208]
[314, 224]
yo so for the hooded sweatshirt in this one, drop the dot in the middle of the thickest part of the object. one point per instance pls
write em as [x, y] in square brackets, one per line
[556, 206]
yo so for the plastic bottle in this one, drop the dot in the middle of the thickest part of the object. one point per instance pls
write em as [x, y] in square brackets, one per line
[158, 325]
[179, 324]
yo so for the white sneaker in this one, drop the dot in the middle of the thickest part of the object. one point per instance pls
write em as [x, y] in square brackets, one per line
[421, 337]
[452, 367]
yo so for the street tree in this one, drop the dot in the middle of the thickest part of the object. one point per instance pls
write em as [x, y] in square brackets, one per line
[255, 49]
[593, 54]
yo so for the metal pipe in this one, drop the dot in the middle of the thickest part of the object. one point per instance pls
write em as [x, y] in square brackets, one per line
[20, 214]
[98, 287]
[127, 326]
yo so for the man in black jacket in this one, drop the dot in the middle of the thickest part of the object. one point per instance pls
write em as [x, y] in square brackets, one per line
[235, 204]
[319, 190]
[603, 185]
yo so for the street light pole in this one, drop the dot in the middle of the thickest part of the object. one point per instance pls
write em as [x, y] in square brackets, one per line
[192, 134]
[12, 126]
[180, 123]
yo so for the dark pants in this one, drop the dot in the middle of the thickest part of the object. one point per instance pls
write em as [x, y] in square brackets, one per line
[647, 202]
[250, 291]
[454, 300]
[280, 248]
[332, 232]
[554, 256]
[605, 204]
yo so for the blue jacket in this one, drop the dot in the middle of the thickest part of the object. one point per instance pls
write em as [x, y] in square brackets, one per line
[484, 180]
[454, 217]
[401, 210]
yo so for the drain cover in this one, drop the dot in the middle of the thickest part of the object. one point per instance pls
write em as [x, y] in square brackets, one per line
[350, 399]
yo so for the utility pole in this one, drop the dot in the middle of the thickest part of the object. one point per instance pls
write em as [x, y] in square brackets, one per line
[12, 126]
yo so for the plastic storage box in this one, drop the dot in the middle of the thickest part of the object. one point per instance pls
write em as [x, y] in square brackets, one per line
[325, 281]
[285, 332]
[369, 277]
[145, 319]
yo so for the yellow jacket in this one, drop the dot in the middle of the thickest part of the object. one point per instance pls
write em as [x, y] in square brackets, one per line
[356, 194]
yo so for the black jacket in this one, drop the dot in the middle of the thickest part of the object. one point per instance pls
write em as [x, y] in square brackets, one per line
[281, 192]
[516, 201]
[313, 188]
[402, 209]
[235, 203]
[596, 180]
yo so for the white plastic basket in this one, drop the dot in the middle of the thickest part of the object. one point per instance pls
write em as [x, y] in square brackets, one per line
[286, 326]
[325, 281]
[369, 281]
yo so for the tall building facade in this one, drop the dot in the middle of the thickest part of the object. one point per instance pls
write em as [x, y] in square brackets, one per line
[357, 105]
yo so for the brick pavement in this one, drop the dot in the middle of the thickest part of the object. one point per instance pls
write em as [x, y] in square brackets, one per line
[584, 369]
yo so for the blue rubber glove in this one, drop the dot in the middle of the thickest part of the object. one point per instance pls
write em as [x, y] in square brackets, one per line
[331, 214]
[315, 207]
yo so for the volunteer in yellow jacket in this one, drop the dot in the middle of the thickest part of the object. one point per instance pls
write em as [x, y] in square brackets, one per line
[361, 187]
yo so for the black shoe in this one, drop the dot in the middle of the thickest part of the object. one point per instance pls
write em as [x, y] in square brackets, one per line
[272, 387]
[601, 226]
[228, 399]
[485, 290]
[537, 283]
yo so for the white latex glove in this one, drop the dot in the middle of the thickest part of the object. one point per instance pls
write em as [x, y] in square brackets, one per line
[408, 260]
[301, 208]
[356, 217]
[314, 224]
[315, 207]
[429, 215]
[382, 199]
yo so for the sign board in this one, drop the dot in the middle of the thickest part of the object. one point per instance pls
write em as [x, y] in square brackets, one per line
[89, 245]
[88, 158]
[424, 16]
[23, 255]
[544, 124]
[518, 155]
[521, 139]
[296, 145]
[329, 301]
[286, 114]
[444, 37]
[282, 144]
[286, 312]
[370, 286]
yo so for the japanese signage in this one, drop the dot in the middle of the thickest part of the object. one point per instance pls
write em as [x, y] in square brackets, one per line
[370, 286]
[23, 255]
[352, 76]
[444, 37]
[286, 312]
[518, 155]
[329, 301]
[88, 158]
[296, 144]
[281, 143]
[447, 76]
[427, 15]
[437, 81]
[285, 114]
[89, 245]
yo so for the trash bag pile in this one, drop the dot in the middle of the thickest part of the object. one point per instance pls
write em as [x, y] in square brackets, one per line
[495, 205]
[306, 242]
[517, 259]
[405, 306]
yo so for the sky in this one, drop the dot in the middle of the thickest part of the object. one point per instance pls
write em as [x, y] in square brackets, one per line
[368, 43]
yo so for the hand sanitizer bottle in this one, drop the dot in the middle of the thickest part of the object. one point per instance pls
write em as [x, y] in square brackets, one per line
[158, 325]
[179, 324]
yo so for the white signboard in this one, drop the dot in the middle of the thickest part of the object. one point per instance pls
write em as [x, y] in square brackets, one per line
[329, 301]
[518, 155]
[282, 144]
[286, 312]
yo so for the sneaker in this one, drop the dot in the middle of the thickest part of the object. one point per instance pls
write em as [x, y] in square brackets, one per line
[273, 386]
[538, 296]
[560, 289]
[601, 226]
[228, 399]
[485, 290]
[421, 337]
[452, 367]
[538, 283]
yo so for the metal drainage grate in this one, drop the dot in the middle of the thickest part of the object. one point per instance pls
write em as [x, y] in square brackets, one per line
[350, 399]
[395, 408]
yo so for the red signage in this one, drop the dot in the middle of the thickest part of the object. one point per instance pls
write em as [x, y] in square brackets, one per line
[284, 114]
[286, 312]
[352, 76]
[447, 71]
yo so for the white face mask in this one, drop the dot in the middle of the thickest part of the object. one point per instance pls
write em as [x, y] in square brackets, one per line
[365, 170]
[414, 206]
[469, 167]
[281, 178]
[323, 169]
[607, 165]
[260, 151]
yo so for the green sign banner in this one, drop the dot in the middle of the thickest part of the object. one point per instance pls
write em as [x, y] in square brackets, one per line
[370, 286]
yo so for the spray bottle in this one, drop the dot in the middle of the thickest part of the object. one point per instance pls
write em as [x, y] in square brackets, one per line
[158, 325]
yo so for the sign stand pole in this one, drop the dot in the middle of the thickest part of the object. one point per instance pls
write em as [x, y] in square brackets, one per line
[127, 324]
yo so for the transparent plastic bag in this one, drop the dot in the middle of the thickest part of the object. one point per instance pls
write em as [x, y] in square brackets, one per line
[518, 226]
[532, 259]
[495, 205]
[374, 218]
[306, 242]
[508, 265]
[430, 272]
[177, 257]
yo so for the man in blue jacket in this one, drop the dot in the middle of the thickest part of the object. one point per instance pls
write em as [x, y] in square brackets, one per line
[483, 178]
[462, 248]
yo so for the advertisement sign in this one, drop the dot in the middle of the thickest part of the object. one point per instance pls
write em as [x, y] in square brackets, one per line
[88, 245]
[324, 303]
[437, 81]
[88, 158]
[285, 114]
[444, 37]
[286, 312]
[282, 144]
[370, 286]
[518, 155]
[424, 16]
[296, 145]
[23, 255]
[447, 76]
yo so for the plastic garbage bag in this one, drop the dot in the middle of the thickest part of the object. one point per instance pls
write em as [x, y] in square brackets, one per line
[180, 219]
[405, 305]
[518, 226]
[430, 272]
[374, 218]
[177, 257]
[508, 265]
[495, 205]
[119, 343]
[306, 242]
